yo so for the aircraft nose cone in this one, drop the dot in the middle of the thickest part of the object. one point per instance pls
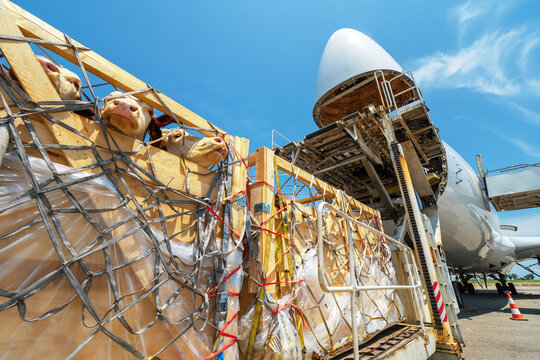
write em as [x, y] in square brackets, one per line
[349, 53]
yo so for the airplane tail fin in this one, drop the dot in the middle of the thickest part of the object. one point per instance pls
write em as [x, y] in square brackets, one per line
[526, 247]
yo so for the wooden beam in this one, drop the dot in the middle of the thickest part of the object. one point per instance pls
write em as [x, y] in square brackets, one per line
[33, 27]
[419, 179]
[262, 197]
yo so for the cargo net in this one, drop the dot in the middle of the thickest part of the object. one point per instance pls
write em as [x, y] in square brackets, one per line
[92, 269]
[292, 317]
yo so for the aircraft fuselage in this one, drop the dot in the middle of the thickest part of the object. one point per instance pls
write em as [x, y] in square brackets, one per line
[472, 239]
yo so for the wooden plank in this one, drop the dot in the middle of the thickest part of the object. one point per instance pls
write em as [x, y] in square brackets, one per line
[33, 27]
[419, 179]
[262, 194]
[239, 180]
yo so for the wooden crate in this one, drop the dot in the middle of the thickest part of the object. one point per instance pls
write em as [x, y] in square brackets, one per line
[146, 176]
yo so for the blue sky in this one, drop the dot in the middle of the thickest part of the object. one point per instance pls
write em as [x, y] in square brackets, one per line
[251, 66]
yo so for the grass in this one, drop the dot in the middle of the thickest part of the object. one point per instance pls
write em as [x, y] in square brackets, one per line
[515, 282]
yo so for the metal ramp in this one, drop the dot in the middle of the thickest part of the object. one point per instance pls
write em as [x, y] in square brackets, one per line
[390, 343]
[513, 188]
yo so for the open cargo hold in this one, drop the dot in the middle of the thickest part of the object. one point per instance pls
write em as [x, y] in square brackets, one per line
[112, 248]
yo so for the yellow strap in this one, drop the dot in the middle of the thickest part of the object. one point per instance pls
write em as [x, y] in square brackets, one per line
[260, 297]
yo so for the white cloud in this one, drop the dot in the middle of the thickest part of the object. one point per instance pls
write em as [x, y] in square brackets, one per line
[529, 149]
[529, 116]
[469, 10]
[475, 9]
[495, 64]
[533, 85]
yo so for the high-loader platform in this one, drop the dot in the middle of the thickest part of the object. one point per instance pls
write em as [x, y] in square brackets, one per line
[378, 143]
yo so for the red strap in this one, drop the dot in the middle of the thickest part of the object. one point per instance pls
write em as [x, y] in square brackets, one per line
[219, 293]
[225, 279]
[225, 326]
[274, 233]
[281, 282]
[220, 219]
[213, 355]
[274, 214]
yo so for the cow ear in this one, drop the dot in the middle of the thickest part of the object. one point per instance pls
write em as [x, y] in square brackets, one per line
[87, 113]
[163, 120]
[154, 131]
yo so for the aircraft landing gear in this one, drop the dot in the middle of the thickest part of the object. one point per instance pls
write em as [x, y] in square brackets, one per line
[464, 285]
[458, 291]
[503, 286]
[512, 288]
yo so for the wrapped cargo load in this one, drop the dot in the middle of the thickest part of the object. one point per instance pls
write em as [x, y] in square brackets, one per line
[91, 278]
[375, 310]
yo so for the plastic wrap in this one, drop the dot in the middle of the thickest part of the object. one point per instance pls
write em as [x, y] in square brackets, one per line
[329, 314]
[277, 335]
[233, 285]
[93, 259]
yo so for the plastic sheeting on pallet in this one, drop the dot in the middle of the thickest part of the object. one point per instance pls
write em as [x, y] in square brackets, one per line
[375, 309]
[329, 315]
[54, 293]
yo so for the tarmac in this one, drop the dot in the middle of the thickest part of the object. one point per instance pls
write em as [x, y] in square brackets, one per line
[488, 331]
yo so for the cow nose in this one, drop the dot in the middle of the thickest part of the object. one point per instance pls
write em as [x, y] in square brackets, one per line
[218, 140]
[121, 104]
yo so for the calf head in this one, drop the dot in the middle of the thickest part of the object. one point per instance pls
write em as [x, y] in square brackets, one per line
[128, 114]
[66, 83]
[205, 151]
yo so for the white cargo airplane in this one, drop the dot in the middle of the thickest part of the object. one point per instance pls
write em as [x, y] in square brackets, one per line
[470, 230]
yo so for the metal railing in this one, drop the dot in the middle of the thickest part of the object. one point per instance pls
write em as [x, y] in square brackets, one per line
[388, 98]
[274, 143]
[415, 282]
